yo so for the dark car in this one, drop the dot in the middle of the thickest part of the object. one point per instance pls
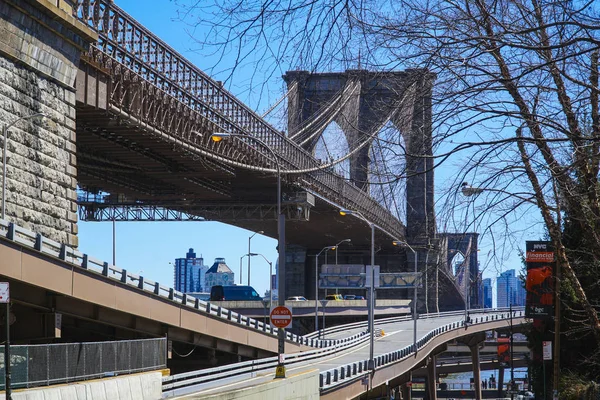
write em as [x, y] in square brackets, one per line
[233, 293]
[359, 297]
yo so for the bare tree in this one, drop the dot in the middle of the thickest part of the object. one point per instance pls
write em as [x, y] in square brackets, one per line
[515, 102]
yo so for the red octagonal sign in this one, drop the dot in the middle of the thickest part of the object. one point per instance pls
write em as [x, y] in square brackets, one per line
[281, 317]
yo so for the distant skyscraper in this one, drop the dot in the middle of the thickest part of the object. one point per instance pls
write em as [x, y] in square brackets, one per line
[219, 274]
[189, 273]
[510, 289]
[487, 293]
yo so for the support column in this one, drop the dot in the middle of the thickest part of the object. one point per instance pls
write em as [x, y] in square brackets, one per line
[476, 370]
[432, 378]
[406, 393]
[500, 381]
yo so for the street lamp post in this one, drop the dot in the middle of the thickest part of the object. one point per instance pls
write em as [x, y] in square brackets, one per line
[324, 249]
[114, 237]
[416, 259]
[270, 275]
[467, 191]
[5, 129]
[241, 258]
[336, 255]
[217, 137]
[338, 245]
[371, 364]
[249, 239]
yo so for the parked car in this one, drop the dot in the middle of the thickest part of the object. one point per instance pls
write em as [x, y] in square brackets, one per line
[349, 297]
[334, 297]
[233, 293]
[359, 297]
[296, 298]
[525, 396]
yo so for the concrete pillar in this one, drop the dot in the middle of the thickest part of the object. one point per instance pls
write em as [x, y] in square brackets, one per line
[476, 370]
[406, 390]
[432, 378]
[40, 49]
[500, 381]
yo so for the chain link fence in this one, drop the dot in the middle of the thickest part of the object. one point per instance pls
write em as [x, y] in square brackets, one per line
[47, 364]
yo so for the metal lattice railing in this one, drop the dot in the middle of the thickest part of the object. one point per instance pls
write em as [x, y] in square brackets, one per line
[48, 364]
[151, 83]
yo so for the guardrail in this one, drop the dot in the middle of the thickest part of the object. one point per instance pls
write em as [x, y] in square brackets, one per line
[342, 374]
[202, 377]
[381, 321]
[35, 241]
[197, 380]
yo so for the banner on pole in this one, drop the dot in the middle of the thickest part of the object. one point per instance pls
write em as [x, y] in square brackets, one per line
[540, 261]
[503, 349]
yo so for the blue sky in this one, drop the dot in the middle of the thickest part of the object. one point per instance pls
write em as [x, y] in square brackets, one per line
[150, 246]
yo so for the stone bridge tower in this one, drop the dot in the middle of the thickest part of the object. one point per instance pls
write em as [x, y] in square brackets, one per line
[40, 48]
[363, 102]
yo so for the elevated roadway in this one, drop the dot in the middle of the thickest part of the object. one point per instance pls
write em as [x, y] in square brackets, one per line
[394, 358]
[48, 279]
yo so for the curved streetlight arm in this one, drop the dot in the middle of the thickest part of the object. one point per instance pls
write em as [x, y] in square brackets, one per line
[249, 239]
[270, 275]
[326, 248]
[416, 260]
[338, 245]
[371, 362]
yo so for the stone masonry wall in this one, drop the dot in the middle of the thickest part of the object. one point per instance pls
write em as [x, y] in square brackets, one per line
[40, 46]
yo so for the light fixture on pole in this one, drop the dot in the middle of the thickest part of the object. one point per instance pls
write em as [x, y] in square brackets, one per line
[416, 260]
[344, 212]
[338, 245]
[219, 136]
[270, 275]
[324, 249]
[241, 258]
[5, 129]
[114, 238]
[249, 239]
[468, 190]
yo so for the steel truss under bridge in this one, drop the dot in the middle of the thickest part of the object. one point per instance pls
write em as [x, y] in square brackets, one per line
[90, 211]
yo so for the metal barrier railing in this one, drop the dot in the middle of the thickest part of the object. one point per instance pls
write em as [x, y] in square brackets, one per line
[36, 241]
[342, 374]
[48, 364]
[200, 377]
[196, 380]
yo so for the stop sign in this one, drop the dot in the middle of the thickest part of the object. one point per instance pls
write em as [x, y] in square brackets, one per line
[281, 317]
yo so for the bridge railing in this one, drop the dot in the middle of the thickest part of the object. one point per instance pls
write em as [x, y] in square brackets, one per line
[205, 376]
[35, 241]
[129, 51]
[342, 374]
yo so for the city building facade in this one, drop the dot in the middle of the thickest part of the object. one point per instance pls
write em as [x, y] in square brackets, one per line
[487, 293]
[189, 273]
[218, 274]
[510, 289]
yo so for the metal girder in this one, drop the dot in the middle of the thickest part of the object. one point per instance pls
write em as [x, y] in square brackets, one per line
[155, 89]
[99, 212]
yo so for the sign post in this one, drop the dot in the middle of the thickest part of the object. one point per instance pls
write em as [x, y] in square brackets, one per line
[281, 317]
[5, 298]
